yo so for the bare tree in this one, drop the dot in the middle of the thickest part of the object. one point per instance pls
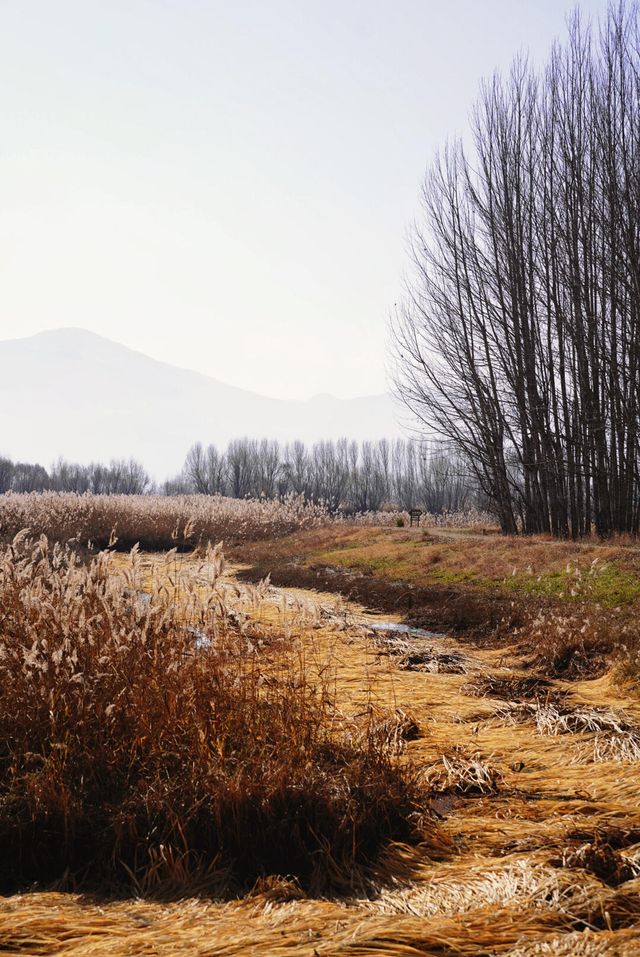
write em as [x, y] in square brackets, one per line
[6, 474]
[518, 340]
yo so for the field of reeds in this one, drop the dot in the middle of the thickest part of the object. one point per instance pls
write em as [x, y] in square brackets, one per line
[148, 739]
[155, 522]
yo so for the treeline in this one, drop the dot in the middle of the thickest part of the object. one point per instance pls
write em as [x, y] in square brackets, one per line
[119, 477]
[519, 340]
[344, 476]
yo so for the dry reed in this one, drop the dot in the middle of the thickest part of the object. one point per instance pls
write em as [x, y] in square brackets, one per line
[154, 522]
[140, 743]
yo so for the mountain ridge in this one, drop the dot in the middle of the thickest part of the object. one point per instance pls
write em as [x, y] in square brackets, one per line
[78, 394]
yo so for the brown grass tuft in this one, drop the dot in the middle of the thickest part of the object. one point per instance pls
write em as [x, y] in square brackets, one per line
[602, 860]
[464, 774]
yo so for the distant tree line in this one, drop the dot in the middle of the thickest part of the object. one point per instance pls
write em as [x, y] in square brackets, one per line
[519, 339]
[344, 475]
[119, 477]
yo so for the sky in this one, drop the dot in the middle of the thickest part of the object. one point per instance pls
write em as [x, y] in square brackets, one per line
[227, 186]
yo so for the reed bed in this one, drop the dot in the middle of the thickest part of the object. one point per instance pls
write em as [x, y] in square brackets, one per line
[148, 742]
[577, 643]
[155, 522]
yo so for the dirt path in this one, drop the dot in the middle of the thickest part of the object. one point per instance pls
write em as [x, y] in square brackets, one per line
[535, 806]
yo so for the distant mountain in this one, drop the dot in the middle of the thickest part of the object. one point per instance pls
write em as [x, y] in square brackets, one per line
[70, 392]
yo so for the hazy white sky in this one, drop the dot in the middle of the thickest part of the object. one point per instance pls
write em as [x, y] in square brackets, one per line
[227, 185]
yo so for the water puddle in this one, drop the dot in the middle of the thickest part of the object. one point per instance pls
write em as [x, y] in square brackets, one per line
[443, 804]
[416, 649]
[402, 631]
[202, 641]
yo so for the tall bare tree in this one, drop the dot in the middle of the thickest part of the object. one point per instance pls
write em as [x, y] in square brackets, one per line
[518, 341]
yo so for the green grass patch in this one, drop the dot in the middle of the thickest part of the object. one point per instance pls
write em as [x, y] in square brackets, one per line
[608, 585]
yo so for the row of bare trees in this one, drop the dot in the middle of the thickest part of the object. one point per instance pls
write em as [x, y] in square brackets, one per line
[343, 475]
[518, 342]
[119, 477]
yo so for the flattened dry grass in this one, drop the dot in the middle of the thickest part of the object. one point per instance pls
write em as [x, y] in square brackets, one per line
[622, 747]
[141, 744]
[557, 719]
[50, 925]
